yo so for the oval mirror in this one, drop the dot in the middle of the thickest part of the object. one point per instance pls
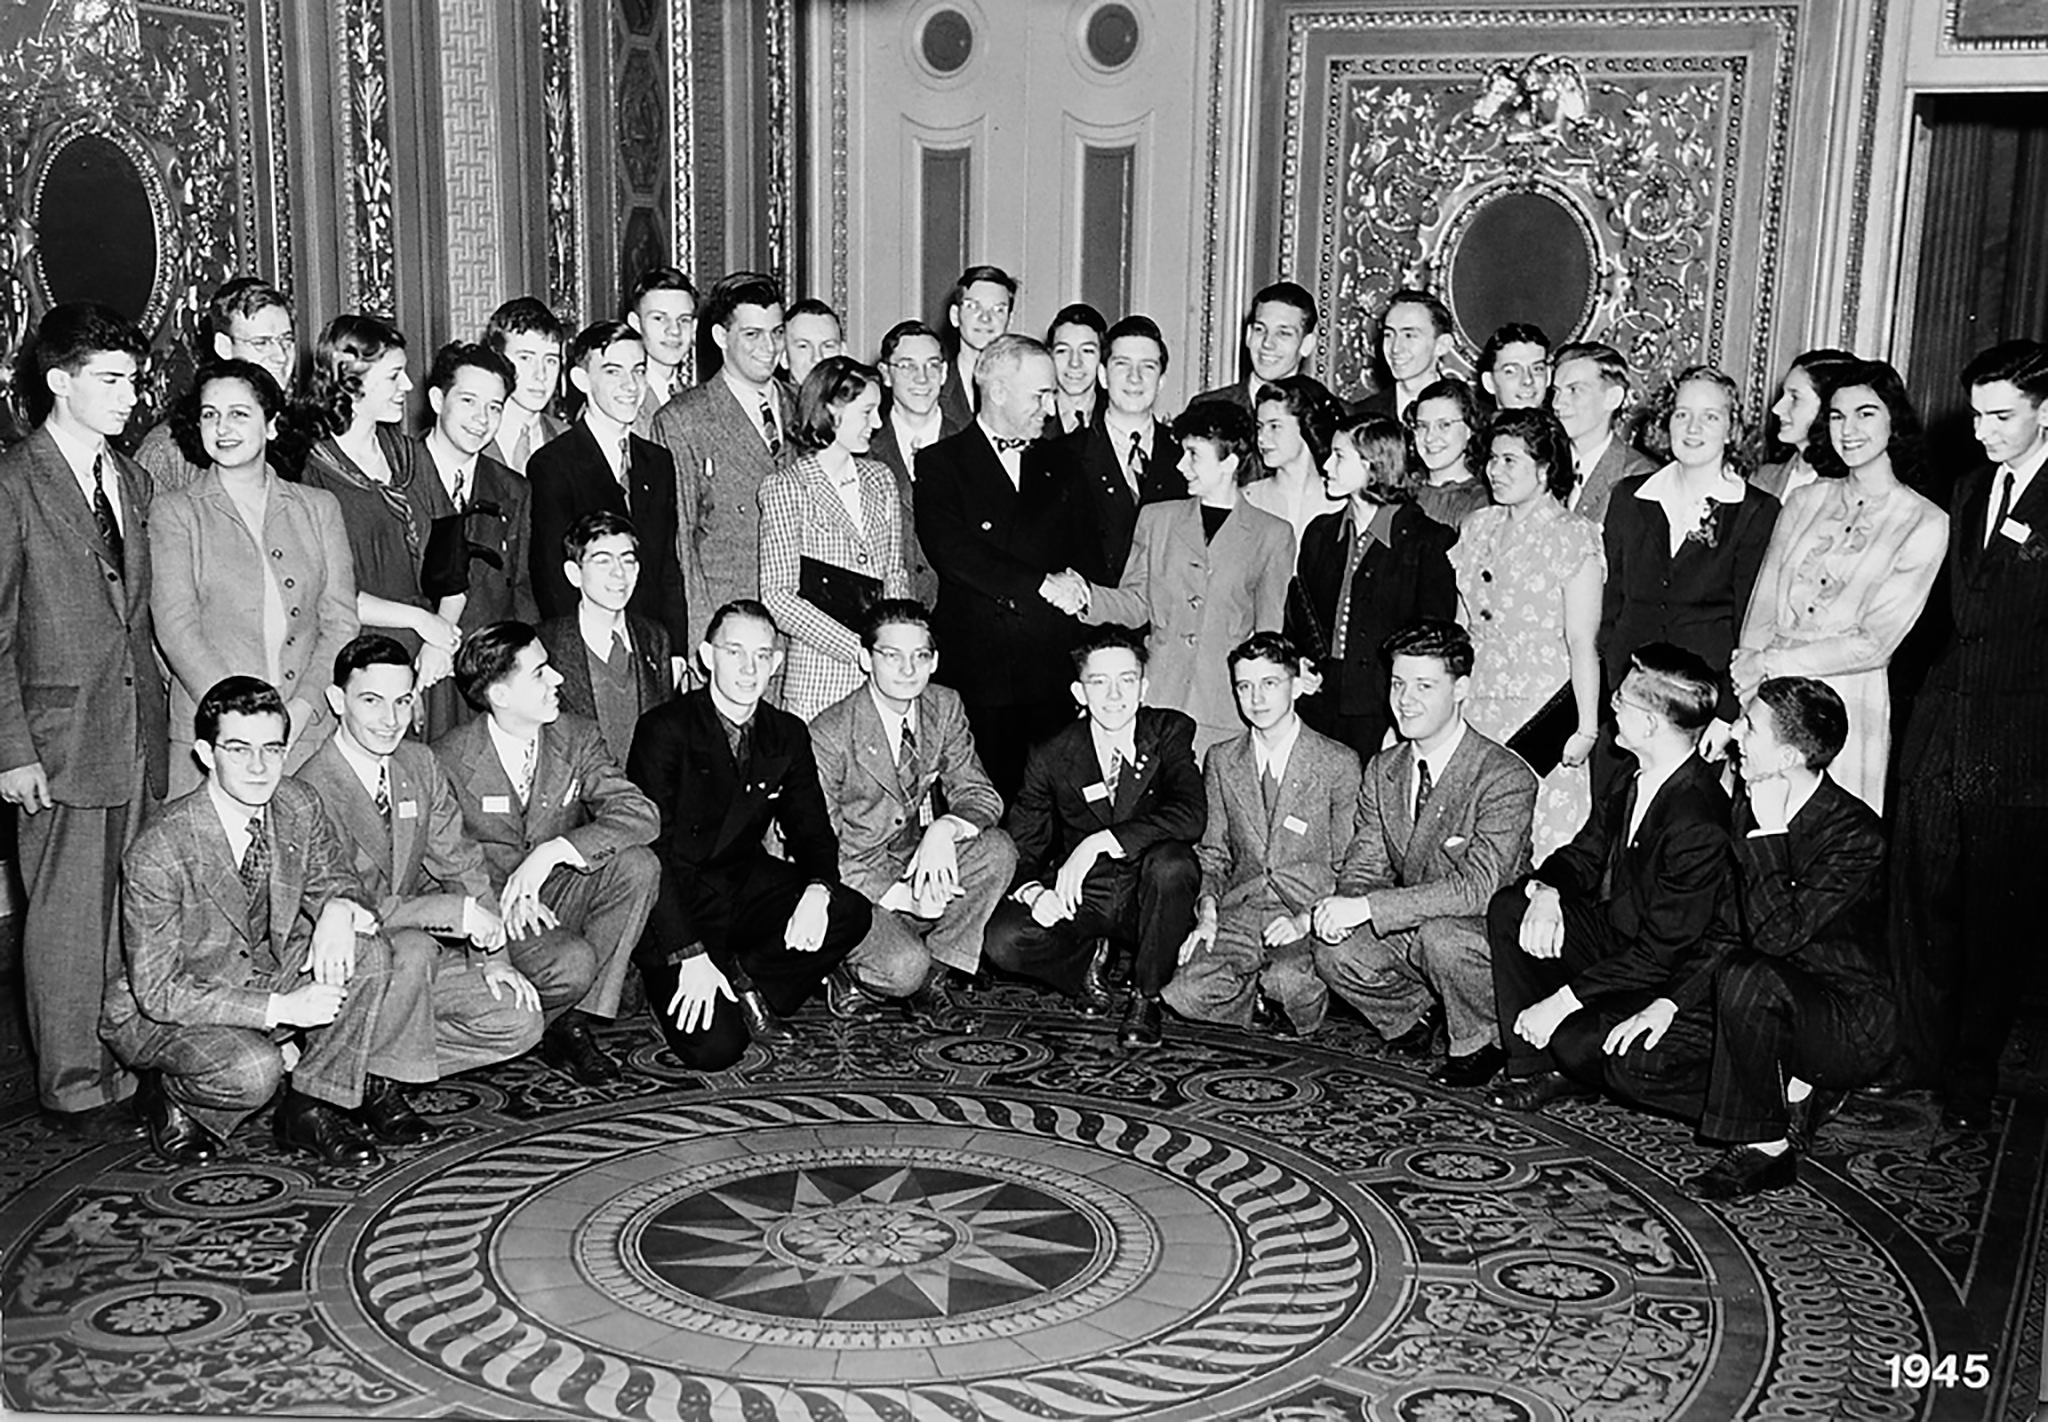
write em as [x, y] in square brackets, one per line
[1524, 256]
[96, 233]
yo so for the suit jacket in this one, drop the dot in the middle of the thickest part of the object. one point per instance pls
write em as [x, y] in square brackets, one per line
[1669, 894]
[1104, 497]
[956, 401]
[1235, 393]
[1394, 585]
[992, 545]
[1816, 893]
[1985, 700]
[80, 691]
[712, 821]
[570, 477]
[720, 460]
[1697, 599]
[578, 794]
[1202, 599]
[802, 516]
[185, 913]
[1290, 859]
[1472, 838]
[500, 522]
[164, 462]
[877, 814]
[417, 867]
[547, 428]
[563, 638]
[1619, 461]
[924, 583]
[1159, 797]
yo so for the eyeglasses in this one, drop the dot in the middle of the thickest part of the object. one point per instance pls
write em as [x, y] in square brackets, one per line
[243, 753]
[1536, 371]
[912, 369]
[923, 658]
[992, 310]
[1431, 427]
[1617, 701]
[274, 344]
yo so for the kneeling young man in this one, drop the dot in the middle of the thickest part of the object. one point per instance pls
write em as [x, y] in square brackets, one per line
[738, 938]
[245, 963]
[455, 1000]
[564, 835]
[1105, 826]
[1443, 821]
[1283, 802]
[916, 819]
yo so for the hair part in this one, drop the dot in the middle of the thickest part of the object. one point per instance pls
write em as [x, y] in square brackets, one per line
[1439, 314]
[1439, 637]
[1809, 717]
[523, 316]
[1109, 637]
[1904, 445]
[901, 332]
[1543, 436]
[1226, 426]
[833, 383]
[238, 696]
[741, 607]
[487, 656]
[1275, 647]
[1285, 293]
[896, 612]
[1384, 446]
[656, 279]
[369, 649]
[246, 297]
[2024, 364]
[1137, 328]
[1078, 313]
[601, 523]
[1315, 410]
[346, 349]
[1003, 357]
[1681, 686]
[184, 416]
[1460, 393]
[469, 355]
[1513, 333]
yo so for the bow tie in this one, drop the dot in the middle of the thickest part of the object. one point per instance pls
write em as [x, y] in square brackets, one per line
[1003, 446]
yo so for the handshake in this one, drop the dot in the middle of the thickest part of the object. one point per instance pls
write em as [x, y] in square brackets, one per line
[1066, 590]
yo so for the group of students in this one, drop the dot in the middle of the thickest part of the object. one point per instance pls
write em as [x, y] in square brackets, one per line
[792, 547]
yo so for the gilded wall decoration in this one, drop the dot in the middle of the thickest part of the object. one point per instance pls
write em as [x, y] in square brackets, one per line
[372, 271]
[640, 122]
[558, 44]
[472, 196]
[162, 113]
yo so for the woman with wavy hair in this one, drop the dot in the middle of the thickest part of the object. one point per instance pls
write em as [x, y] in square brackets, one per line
[1445, 423]
[1799, 417]
[389, 497]
[1294, 418]
[831, 539]
[1849, 567]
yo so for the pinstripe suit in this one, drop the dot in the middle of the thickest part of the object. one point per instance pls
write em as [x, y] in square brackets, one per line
[802, 516]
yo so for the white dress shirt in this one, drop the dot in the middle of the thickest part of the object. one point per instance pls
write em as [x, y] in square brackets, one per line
[1274, 758]
[2021, 475]
[1438, 760]
[1648, 783]
[1683, 512]
[80, 455]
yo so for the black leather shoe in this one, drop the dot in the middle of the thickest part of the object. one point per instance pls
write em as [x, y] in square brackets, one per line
[934, 1008]
[1966, 1113]
[115, 1121]
[307, 1124]
[1144, 1023]
[1471, 1069]
[1810, 1115]
[1271, 1018]
[389, 1117]
[846, 999]
[1418, 1040]
[1533, 1093]
[762, 1023]
[1745, 1171]
[569, 1045]
[1093, 999]
[175, 1136]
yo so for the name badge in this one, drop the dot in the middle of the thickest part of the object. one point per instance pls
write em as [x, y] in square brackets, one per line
[1097, 791]
[1294, 824]
[569, 794]
[2015, 530]
[497, 804]
[924, 813]
[408, 809]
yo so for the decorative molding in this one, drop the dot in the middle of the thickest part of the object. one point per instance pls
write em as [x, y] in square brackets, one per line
[1953, 41]
[837, 127]
[560, 112]
[1872, 71]
[779, 201]
[471, 127]
[1212, 171]
[682, 69]
[372, 277]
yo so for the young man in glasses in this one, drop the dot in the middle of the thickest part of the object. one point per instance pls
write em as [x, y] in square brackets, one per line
[913, 365]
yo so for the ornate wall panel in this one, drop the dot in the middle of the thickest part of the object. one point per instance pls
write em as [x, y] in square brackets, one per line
[1623, 167]
[371, 282]
[167, 112]
[560, 109]
[472, 129]
[641, 136]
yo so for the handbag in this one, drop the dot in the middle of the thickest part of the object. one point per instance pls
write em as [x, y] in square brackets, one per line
[445, 559]
[840, 593]
[1540, 739]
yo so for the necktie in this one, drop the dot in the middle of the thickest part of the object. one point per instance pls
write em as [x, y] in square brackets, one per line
[626, 464]
[382, 799]
[770, 431]
[619, 651]
[1115, 773]
[1269, 790]
[1423, 785]
[1618, 845]
[743, 752]
[461, 490]
[1134, 462]
[522, 448]
[254, 872]
[103, 510]
[2004, 506]
[526, 764]
[906, 749]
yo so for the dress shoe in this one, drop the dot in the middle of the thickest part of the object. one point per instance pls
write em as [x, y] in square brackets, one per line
[1885, 1088]
[933, 1006]
[307, 1124]
[763, 1025]
[569, 1045]
[846, 999]
[1533, 1093]
[1745, 1171]
[1417, 1041]
[115, 1121]
[1144, 1023]
[1966, 1113]
[389, 1117]
[175, 1136]
[1271, 1019]
[1810, 1115]
[1093, 998]
[1471, 1069]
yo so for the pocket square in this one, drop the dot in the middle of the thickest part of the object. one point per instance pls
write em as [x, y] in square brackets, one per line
[1456, 841]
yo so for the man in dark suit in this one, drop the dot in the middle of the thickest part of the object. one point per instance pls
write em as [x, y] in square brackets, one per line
[913, 366]
[1514, 366]
[83, 733]
[601, 464]
[564, 835]
[1636, 913]
[1105, 827]
[1127, 457]
[1589, 389]
[661, 307]
[1279, 338]
[615, 666]
[1444, 819]
[1414, 337]
[977, 313]
[1077, 338]
[738, 939]
[245, 930]
[1973, 771]
[529, 336]
[996, 517]
[1803, 1011]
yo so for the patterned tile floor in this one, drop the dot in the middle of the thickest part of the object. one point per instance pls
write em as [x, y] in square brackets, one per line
[1023, 1224]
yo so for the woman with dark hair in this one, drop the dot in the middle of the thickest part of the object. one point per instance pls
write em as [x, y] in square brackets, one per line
[1365, 572]
[831, 534]
[250, 575]
[388, 499]
[1799, 417]
[1684, 544]
[1294, 418]
[1849, 568]
[1444, 423]
[1529, 577]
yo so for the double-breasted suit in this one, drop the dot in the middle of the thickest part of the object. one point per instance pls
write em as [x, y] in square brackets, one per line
[1103, 492]
[885, 446]
[81, 696]
[1428, 882]
[1260, 862]
[570, 477]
